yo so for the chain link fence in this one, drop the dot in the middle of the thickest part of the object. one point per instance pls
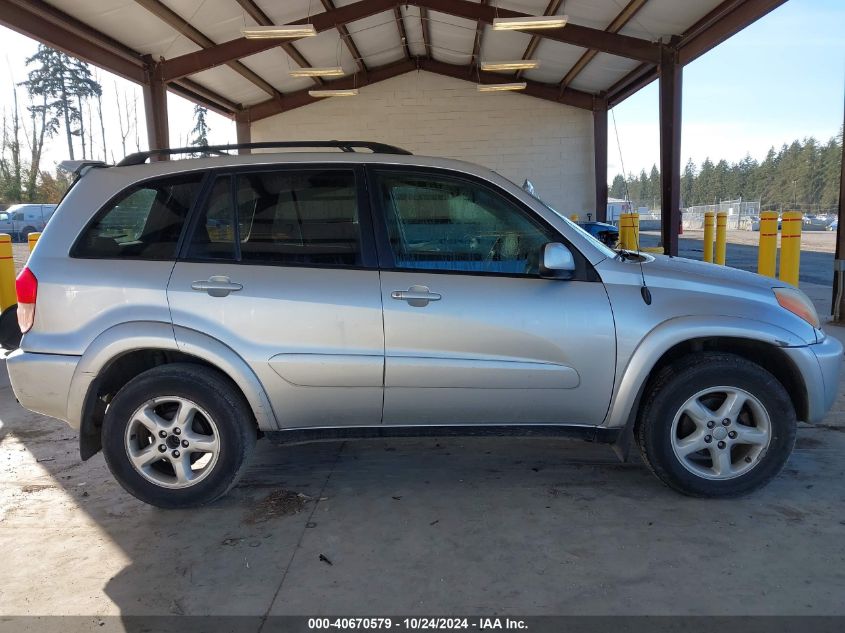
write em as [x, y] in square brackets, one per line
[742, 214]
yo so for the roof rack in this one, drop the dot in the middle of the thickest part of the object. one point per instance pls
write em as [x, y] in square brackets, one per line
[139, 158]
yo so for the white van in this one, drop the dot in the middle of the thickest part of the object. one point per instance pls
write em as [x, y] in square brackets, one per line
[20, 220]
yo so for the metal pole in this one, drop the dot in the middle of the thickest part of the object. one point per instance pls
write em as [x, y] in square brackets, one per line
[670, 149]
[155, 109]
[838, 303]
[600, 153]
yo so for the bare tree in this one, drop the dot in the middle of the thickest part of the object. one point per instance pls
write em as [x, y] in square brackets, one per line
[135, 122]
[102, 125]
[11, 169]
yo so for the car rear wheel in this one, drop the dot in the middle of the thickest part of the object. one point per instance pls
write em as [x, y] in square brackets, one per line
[178, 435]
[716, 425]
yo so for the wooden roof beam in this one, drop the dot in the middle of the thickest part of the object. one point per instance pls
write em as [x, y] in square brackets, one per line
[476, 45]
[346, 37]
[403, 34]
[615, 26]
[425, 23]
[191, 63]
[185, 28]
[613, 43]
[551, 9]
[262, 19]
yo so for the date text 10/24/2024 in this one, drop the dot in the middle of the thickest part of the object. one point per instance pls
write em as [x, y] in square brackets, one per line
[418, 624]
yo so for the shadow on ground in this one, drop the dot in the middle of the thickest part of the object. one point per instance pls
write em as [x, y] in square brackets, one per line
[418, 527]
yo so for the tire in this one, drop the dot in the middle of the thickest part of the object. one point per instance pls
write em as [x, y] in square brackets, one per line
[217, 426]
[762, 421]
[24, 235]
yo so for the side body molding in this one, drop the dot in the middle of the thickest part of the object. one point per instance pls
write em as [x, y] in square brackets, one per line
[128, 337]
[678, 330]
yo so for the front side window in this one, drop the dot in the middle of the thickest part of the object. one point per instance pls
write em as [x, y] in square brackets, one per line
[144, 223]
[302, 217]
[440, 223]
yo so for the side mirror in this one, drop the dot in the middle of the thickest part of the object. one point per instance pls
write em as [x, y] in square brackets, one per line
[557, 262]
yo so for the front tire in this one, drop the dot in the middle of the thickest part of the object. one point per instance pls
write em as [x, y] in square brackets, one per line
[716, 425]
[178, 435]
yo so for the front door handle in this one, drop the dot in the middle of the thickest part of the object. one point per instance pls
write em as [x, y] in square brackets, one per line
[217, 286]
[417, 296]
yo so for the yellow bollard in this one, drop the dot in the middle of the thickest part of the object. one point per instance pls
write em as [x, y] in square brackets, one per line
[8, 297]
[790, 246]
[721, 237]
[32, 238]
[574, 217]
[635, 231]
[768, 251]
[625, 230]
[709, 231]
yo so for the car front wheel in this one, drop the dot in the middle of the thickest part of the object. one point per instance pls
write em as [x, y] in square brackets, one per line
[716, 425]
[178, 435]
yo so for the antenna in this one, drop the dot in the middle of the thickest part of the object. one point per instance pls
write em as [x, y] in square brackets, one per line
[644, 290]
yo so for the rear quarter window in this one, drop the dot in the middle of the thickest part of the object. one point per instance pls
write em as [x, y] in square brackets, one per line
[143, 222]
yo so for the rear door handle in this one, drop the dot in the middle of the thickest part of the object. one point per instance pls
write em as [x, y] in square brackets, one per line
[417, 296]
[217, 286]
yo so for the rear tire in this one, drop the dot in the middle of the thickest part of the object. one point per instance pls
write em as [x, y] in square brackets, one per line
[716, 425]
[178, 435]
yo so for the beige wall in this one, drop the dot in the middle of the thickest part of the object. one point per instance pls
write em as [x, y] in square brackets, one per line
[516, 135]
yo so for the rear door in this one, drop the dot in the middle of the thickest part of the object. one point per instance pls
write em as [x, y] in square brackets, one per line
[473, 334]
[280, 266]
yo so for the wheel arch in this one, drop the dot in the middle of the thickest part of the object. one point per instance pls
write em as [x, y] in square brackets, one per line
[757, 341]
[124, 351]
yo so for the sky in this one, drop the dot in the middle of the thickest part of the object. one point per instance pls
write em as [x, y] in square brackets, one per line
[781, 79]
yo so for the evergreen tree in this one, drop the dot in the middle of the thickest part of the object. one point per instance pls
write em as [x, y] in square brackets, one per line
[62, 85]
[618, 188]
[803, 175]
[201, 128]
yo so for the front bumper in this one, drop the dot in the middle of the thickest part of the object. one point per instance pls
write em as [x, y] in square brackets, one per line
[41, 382]
[820, 365]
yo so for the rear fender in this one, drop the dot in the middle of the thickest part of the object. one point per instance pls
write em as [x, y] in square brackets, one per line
[128, 337]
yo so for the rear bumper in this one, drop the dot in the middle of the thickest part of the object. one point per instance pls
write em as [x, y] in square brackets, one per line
[820, 365]
[41, 382]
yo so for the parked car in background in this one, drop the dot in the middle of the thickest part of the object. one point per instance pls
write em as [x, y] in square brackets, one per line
[752, 223]
[20, 220]
[816, 222]
[602, 231]
[175, 312]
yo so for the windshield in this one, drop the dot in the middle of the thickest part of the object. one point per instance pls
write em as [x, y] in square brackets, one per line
[608, 252]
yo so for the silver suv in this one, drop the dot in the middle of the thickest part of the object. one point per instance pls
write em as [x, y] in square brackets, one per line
[176, 311]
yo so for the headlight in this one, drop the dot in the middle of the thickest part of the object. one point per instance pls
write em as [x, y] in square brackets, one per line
[798, 304]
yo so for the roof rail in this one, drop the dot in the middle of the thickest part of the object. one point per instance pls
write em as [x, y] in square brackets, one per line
[140, 158]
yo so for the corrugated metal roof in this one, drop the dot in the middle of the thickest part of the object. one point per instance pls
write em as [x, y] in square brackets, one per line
[136, 25]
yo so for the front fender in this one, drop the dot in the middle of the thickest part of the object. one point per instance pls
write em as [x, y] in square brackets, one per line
[129, 337]
[669, 333]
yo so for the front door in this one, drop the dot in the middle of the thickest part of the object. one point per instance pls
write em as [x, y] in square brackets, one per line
[473, 334]
[279, 266]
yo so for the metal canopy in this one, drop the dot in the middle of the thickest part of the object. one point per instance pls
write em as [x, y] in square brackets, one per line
[606, 52]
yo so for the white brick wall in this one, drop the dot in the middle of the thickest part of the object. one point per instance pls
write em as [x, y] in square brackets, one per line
[516, 135]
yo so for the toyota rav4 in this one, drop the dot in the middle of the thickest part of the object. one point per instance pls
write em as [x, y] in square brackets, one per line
[176, 311]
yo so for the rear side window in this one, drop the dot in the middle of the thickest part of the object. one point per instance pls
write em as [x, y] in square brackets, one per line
[291, 217]
[144, 223]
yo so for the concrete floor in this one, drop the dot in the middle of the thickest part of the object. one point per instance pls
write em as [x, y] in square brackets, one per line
[473, 526]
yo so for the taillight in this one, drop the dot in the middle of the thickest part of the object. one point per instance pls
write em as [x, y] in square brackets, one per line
[26, 286]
